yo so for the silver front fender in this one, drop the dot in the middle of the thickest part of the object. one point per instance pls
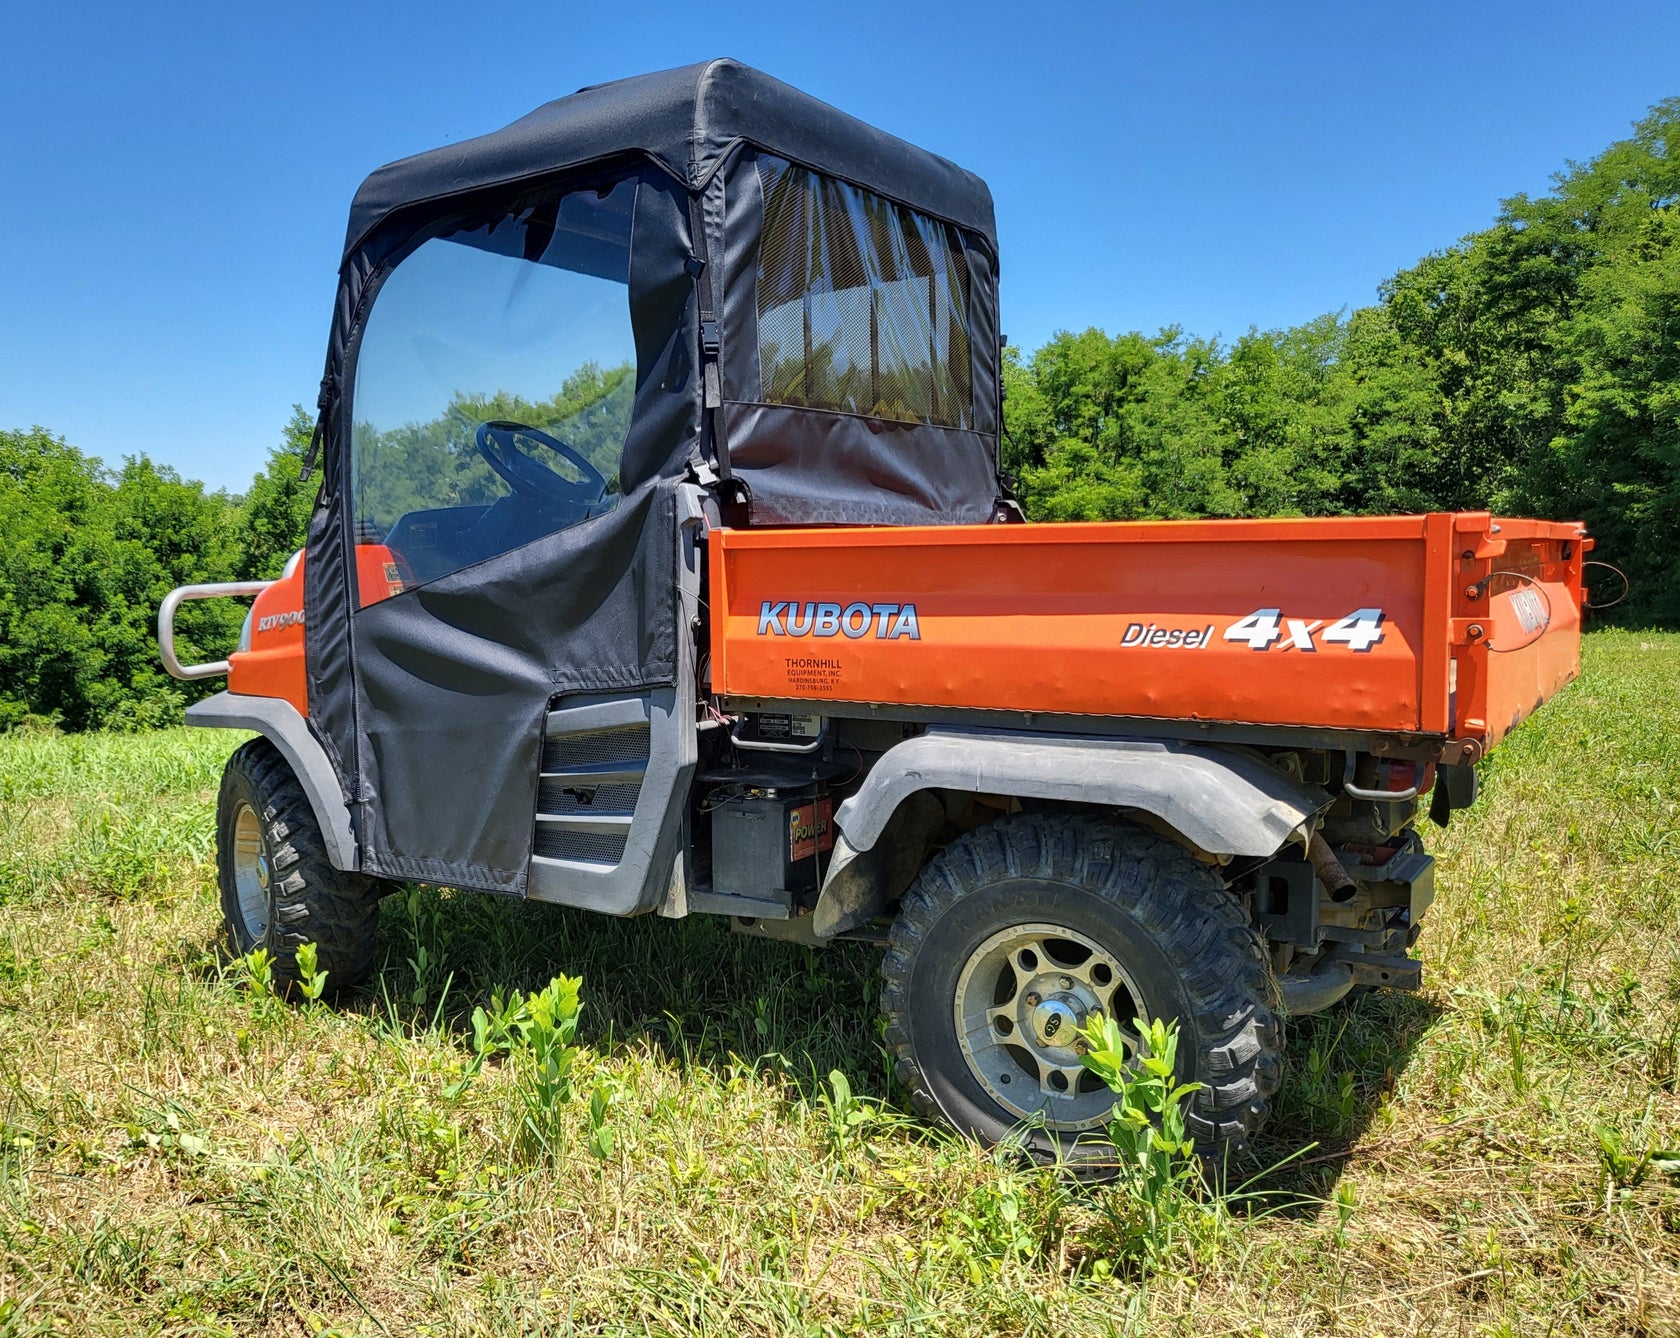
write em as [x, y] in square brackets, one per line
[278, 721]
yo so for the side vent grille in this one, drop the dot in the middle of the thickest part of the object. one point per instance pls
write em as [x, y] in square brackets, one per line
[596, 747]
[586, 796]
[603, 848]
[556, 795]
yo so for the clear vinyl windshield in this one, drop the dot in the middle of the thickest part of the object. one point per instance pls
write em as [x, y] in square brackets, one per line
[493, 387]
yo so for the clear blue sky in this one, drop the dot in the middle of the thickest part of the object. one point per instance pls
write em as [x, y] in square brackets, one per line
[174, 177]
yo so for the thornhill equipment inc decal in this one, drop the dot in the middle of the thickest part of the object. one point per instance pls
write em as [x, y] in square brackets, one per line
[791, 618]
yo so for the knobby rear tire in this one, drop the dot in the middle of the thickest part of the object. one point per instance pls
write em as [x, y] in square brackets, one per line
[1162, 914]
[308, 900]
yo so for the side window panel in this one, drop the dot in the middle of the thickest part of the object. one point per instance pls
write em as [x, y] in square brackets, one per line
[863, 304]
[493, 388]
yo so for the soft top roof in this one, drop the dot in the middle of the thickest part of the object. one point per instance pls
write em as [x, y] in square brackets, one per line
[685, 119]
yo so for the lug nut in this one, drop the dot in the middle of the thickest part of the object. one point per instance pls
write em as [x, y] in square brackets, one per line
[1080, 1048]
[1032, 1001]
[1067, 982]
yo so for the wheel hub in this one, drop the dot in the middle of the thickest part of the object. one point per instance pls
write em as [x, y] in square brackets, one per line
[1056, 1021]
[1021, 1000]
[251, 871]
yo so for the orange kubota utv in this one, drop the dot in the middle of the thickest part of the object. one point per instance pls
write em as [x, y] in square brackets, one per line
[661, 564]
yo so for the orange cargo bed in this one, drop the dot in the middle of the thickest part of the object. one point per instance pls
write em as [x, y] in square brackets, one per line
[1450, 627]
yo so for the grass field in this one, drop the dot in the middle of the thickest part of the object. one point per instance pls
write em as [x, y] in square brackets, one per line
[182, 1153]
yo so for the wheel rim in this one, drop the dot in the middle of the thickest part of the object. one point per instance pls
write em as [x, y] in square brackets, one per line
[1021, 999]
[250, 871]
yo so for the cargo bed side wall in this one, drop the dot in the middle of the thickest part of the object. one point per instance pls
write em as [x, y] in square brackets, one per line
[1317, 623]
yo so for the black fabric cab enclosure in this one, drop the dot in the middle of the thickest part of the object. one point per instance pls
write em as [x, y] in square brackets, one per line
[539, 335]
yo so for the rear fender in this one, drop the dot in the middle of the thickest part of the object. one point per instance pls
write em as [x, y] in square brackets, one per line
[1224, 802]
[279, 722]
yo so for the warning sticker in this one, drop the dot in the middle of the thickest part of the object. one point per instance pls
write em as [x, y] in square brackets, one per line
[1531, 611]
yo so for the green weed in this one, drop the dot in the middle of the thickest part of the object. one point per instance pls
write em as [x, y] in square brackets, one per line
[847, 1115]
[1157, 1200]
[601, 1137]
[255, 970]
[311, 980]
[1004, 1224]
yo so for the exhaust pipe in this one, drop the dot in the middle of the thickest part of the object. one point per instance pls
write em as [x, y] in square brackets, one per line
[1314, 993]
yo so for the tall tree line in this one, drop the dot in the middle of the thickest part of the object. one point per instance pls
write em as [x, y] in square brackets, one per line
[1533, 368]
[88, 553]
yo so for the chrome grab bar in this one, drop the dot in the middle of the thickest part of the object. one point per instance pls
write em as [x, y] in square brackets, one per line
[771, 746]
[166, 624]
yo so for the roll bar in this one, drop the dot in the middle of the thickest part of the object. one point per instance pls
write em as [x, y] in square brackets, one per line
[166, 624]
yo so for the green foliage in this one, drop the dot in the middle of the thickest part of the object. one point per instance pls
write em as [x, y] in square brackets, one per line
[545, 1081]
[846, 1112]
[499, 1029]
[256, 972]
[1605, 249]
[537, 1032]
[601, 1136]
[312, 981]
[1531, 368]
[88, 553]
[1156, 1201]
[164, 1132]
[1004, 1224]
[274, 516]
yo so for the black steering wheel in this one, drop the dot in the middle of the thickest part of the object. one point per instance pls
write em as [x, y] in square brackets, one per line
[527, 475]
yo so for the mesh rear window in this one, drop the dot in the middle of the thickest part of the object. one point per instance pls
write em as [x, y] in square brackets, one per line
[862, 303]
